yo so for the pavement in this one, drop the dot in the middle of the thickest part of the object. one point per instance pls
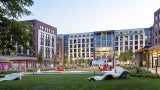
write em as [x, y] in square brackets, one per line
[63, 72]
[153, 70]
[67, 72]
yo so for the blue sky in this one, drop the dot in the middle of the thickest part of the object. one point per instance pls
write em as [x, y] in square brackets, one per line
[78, 16]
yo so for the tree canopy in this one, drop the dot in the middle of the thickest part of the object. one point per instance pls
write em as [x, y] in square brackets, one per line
[126, 56]
[12, 31]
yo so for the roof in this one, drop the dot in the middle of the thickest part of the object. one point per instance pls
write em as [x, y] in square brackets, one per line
[154, 47]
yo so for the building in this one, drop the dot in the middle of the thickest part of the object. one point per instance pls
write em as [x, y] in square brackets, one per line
[156, 28]
[103, 46]
[45, 38]
[59, 48]
[126, 39]
[81, 46]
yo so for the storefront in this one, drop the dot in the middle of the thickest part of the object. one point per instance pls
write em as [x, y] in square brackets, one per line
[154, 56]
[17, 62]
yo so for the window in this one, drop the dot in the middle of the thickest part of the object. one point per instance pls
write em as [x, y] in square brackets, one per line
[79, 45]
[117, 38]
[116, 43]
[103, 43]
[126, 42]
[103, 38]
[91, 39]
[126, 47]
[121, 38]
[70, 46]
[135, 31]
[91, 44]
[75, 55]
[79, 40]
[83, 45]
[126, 38]
[70, 41]
[156, 18]
[116, 48]
[87, 40]
[141, 36]
[83, 40]
[131, 42]
[70, 50]
[155, 26]
[91, 34]
[155, 41]
[131, 47]
[121, 48]
[121, 43]
[141, 42]
[136, 37]
[87, 49]
[126, 32]
[136, 47]
[131, 37]
[75, 41]
[87, 54]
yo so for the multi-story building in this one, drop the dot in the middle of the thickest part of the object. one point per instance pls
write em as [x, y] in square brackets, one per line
[133, 39]
[156, 28]
[45, 37]
[104, 47]
[148, 36]
[59, 48]
[81, 46]
[65, 44]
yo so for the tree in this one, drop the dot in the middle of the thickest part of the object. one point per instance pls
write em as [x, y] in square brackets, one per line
[13, 32]
[65, 60]
[55, 59]
[126, 56]
[40, 59]
[71, 62]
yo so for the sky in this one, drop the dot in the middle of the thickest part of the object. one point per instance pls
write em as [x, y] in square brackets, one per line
[80, 16]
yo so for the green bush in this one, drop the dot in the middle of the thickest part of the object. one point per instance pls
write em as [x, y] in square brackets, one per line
[9, 71]
[137, 72]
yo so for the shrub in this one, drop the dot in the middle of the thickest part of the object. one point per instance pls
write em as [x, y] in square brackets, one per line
[142, 73]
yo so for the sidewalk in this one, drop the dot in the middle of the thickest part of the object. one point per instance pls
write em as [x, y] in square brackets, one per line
[63, 72]
[153, 70]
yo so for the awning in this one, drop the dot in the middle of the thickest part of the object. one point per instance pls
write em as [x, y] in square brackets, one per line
[154, 47]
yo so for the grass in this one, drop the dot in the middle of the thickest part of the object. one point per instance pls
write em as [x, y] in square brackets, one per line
[78, 82]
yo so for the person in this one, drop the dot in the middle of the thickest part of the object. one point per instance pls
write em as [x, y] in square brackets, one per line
[110, 67]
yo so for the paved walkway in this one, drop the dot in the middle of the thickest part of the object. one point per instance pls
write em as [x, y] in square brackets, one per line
[153, 70]
[64, 72]
[69, 72]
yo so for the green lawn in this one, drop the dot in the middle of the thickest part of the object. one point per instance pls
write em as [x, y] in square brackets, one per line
[78, 82]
